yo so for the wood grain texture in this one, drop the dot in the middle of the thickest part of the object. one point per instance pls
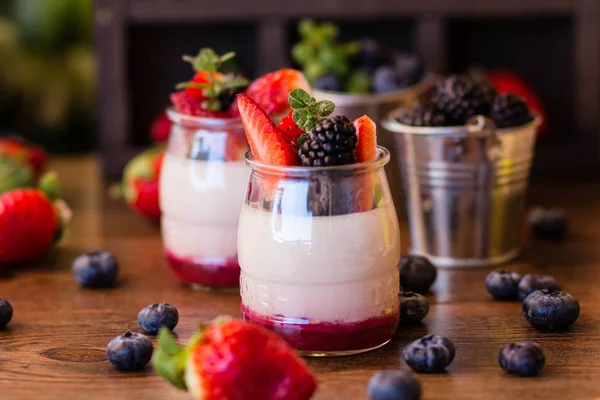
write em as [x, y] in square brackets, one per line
[54, 347]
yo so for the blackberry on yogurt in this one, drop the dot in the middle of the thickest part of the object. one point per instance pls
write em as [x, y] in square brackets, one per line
[331, 142]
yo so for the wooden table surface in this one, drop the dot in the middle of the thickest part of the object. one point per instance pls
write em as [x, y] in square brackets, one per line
[54, 347]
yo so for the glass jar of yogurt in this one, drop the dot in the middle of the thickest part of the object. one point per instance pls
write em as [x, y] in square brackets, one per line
[202, 186]
[319, 248]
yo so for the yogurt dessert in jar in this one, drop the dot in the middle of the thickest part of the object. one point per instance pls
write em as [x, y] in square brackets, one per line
[203, 177]
[318, 237]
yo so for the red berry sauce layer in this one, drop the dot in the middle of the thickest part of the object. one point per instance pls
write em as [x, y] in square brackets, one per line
[325, 337]
[212, 273]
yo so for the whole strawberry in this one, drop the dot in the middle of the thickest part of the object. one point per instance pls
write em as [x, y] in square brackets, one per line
[234, 360]
[140, 182]
[29, 223]
[29, 153]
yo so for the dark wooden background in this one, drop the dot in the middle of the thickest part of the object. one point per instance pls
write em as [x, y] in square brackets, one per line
[554, 44]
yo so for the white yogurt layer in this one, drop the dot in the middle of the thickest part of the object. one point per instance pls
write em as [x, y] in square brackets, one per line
[200, 203]
[338, 268]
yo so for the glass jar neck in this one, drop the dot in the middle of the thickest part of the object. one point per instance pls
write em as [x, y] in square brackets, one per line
[298, 172]
[208, 123]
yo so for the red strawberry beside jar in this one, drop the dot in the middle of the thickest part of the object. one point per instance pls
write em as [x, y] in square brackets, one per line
[31, 221]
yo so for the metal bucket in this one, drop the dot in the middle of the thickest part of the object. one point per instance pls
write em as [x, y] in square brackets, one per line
[377, 106]
[465, 188]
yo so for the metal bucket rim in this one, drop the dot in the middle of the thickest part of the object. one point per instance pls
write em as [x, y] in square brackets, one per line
[391, 124]
[352, 100]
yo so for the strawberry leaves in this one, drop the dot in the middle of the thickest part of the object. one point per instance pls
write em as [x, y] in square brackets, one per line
[210, 62]
[307, 109]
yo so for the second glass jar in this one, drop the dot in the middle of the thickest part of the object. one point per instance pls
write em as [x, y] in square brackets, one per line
[202, 185]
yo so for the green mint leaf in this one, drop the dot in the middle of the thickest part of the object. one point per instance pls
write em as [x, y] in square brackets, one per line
[296, 104]
[325, 107]
[234, 82]
[311, 122]
[227, 56]
[299, 95]
[302, 139]
[194, 85]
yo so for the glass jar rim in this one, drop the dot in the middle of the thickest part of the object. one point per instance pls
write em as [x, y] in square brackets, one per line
[382, 158]
[196, 121]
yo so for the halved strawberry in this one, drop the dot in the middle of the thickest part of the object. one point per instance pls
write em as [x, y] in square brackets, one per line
[289, 127]
[268, 144]
[271, 91]
[366, 131]
[234, 360]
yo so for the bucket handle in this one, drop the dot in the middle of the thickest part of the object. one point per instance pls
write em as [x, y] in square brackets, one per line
[485, 128]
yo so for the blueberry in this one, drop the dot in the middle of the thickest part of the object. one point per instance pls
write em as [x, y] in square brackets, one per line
[410, 68]
[503, 285]
[548, 224]
[394, 385]
[531, 282]
[429, 354]
[550, 309]
[371, 54]
[156, 315]
[522, 359]
[329, 82]
[130, 351]
[6, 313]
[413, 307]
[385, 79]
[417, 274]
[97, 269]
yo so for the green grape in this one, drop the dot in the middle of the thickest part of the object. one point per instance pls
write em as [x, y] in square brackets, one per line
[358, 82]
[303, 53]
[306, 28]
[313, 70]
[328, 32]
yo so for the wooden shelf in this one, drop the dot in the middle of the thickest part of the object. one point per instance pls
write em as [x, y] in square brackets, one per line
[130, 33]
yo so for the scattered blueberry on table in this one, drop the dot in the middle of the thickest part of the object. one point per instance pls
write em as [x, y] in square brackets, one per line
[413, 307]
[550, 309]
[129, 351]
[6, 313]
[522, 359]
[532, 282]
[503, 285]
[154, 316]
[417, 273]
[394, 385]
[98, 269]
[548, 224]
[430, 354]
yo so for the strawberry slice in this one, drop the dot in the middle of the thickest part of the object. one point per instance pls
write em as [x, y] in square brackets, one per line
[190, 105]
[289, 128]
[366, 131]
[268, 144]
[271, 91]
[232, 359]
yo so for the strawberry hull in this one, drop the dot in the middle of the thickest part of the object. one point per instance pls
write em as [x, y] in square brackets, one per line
[329, 337]
[204, 271]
